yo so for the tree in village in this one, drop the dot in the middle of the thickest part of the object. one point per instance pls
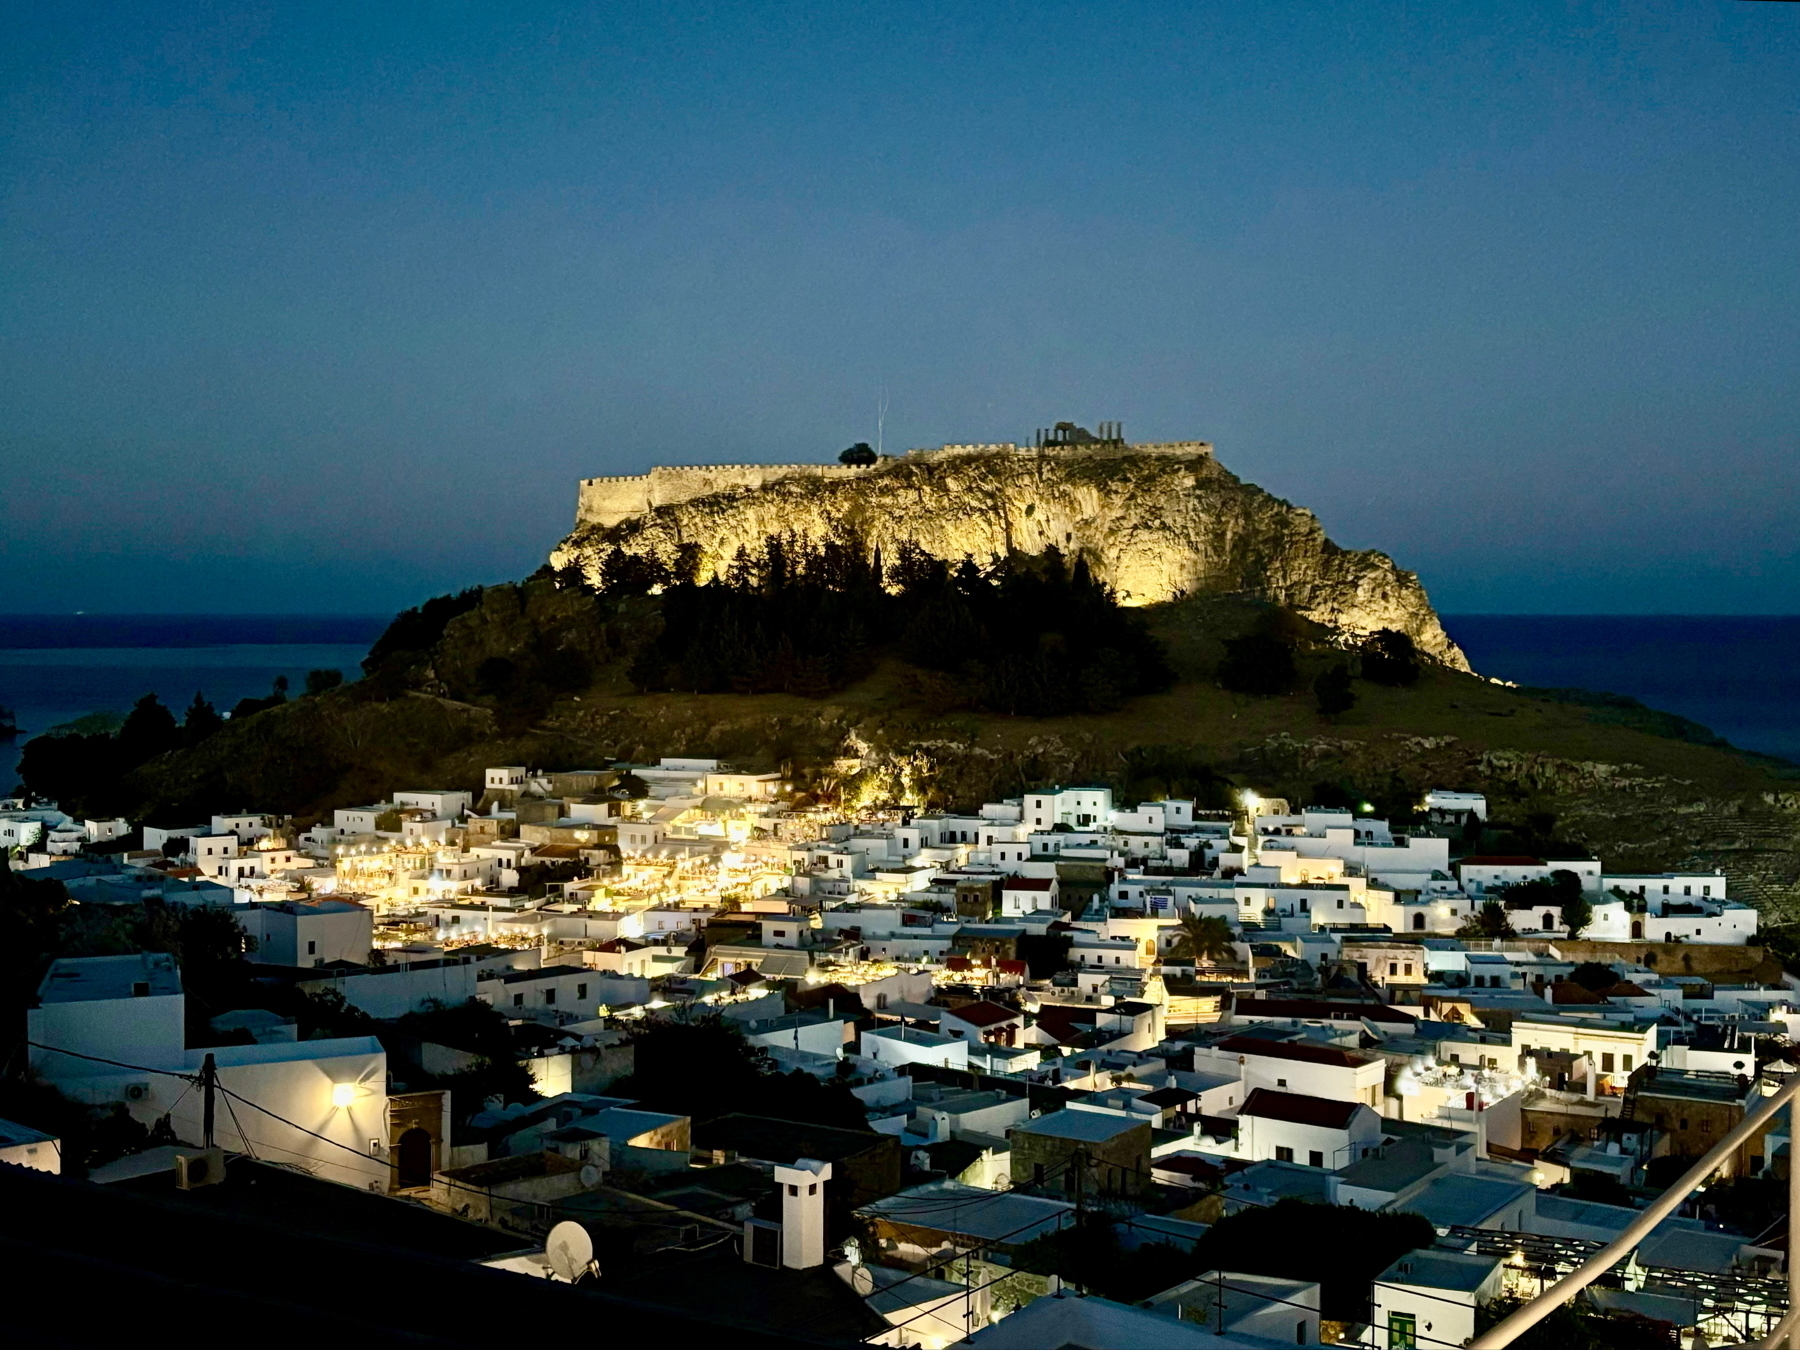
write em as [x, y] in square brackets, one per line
[1203, 939]
[1489, 922]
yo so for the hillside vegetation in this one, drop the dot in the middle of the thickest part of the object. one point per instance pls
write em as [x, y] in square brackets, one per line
[541, 673]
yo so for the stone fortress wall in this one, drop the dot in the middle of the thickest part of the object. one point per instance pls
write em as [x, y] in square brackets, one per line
[607, 501]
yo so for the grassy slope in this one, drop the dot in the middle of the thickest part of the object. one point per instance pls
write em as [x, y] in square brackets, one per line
[1640, 800]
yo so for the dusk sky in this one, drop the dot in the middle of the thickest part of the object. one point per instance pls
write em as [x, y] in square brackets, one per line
[325, 308]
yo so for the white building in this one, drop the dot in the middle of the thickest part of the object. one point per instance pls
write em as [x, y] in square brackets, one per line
[1306, 1067]
[1457, 803]
[308, 933]
[1295, 1128]
[891, 1046]
[442, 803]
[131, 1010]
[1082, 808]
[1429, 1297]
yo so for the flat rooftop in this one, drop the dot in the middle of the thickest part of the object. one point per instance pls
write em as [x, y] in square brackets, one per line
[84, 979]
[973, 1211]
[1092, 1127]
[1464, 1272]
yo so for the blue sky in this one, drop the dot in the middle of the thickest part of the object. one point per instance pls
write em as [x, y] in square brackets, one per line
[325, 308]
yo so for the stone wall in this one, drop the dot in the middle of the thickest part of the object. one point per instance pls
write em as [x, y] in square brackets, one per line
[607, 501]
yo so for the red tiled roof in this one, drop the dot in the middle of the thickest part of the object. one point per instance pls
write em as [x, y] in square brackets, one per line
[983, 1014]
[1012, 967]
[1058, 1021]
[958, 963]
[1300, 1054]
[1298, 1109]
[1027, 884]
[1567, 991]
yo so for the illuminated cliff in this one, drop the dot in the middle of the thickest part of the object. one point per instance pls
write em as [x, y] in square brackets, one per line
[1156, 522]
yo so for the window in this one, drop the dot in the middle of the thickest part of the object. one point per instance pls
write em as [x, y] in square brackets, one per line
[581, 993]
[1684, 1122]
[1409, 966]
[1393, 967]
[1283, 1154]
[1403, 1331]
[1037, 1174]
[1300, 1336]
[1627, 1059]
[1315, 1158]
[1606, 1063]
[793, 1190]
[312, 949]
[1281, 1082]
[518, 1000]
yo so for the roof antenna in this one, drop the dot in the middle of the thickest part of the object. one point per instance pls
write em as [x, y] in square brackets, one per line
[881, 407]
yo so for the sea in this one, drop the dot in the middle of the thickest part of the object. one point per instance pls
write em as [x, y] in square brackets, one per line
[57, 668]
[1738, 675]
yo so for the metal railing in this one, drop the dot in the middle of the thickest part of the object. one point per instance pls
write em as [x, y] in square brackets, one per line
[1506, 1332]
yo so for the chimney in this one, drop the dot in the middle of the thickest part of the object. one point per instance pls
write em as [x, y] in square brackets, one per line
[803, 1212]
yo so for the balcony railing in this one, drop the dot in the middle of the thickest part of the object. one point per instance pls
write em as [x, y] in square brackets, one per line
[1506, 1332]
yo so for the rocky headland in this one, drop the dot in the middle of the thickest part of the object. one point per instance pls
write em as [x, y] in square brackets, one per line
[1157, 523]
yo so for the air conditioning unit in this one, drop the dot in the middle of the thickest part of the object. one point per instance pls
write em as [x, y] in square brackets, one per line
[137, 1092]
[762, 1243]
[201, 1167]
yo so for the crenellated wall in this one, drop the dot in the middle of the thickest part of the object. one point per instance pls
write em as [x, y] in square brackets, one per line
[607, 501]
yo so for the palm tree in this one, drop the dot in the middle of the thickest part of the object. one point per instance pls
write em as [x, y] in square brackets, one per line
[1203, 938]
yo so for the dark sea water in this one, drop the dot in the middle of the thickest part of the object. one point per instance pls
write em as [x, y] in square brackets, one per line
[1738, 675]
[55, 668]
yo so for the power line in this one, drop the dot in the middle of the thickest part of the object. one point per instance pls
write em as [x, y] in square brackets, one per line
[189, 1078]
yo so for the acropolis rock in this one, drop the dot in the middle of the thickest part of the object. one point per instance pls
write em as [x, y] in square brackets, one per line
[1157, 522]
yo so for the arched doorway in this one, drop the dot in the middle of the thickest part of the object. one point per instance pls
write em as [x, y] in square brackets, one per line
[1549, 921]
[412, 1160]
[1637, 930]
[1418, 921]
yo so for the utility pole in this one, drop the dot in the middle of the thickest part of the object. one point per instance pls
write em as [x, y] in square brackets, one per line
[209, 1077]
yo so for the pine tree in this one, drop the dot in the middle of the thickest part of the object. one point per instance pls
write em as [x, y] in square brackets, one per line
[201, 721]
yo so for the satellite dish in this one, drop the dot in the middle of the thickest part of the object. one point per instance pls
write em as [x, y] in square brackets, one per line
[862, 1280]
[590, 1176]
[570, 1251]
